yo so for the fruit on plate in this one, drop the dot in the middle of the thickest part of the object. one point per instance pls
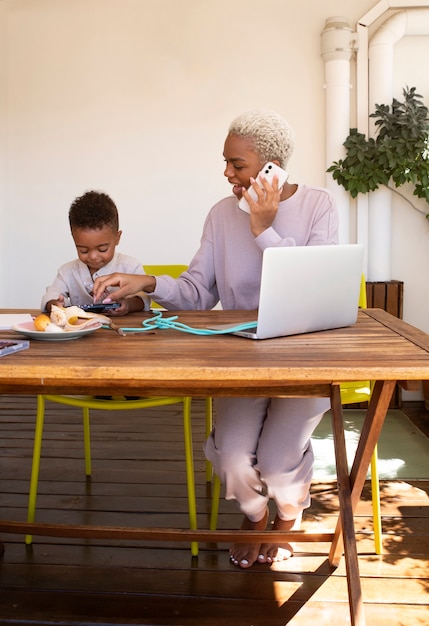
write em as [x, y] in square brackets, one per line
[64, 319]
[72, 317]
[41, 322]
[53, 328]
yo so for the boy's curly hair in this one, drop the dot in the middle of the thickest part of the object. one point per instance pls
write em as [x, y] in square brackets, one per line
[92, 211]
[270, 134]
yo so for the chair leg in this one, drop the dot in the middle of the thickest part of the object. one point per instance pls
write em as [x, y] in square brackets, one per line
[86, 441]
[190, 476]
[215, 502]
[376, 511]
[37, 449]
[209, 426]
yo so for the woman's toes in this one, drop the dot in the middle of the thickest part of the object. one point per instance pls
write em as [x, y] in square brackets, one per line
[284, 553]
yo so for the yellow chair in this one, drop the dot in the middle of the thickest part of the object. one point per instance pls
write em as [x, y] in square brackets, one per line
[157, 270]
[351, 393]
[175, 271]
[89, 402]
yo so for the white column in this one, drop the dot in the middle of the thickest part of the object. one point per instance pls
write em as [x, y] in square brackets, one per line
[381, 67]
[337, 48]
[380, 82]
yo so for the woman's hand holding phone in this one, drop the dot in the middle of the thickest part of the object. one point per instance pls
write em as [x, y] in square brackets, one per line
[267, 172]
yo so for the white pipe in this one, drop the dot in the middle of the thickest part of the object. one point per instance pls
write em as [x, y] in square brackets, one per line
[380, 80]
[337, 48]
[380, 56]
[362, 216]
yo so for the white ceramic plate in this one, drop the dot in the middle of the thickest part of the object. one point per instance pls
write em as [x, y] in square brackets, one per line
[28, 330]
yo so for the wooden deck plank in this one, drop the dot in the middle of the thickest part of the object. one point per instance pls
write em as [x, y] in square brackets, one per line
[139, 477]
[35, 607]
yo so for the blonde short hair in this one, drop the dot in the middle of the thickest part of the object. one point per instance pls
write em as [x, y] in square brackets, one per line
[270, 134]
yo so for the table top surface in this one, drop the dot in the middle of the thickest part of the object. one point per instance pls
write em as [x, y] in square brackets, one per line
[377, 347]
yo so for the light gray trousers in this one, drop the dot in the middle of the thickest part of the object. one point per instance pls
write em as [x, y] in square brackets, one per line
[261, 449]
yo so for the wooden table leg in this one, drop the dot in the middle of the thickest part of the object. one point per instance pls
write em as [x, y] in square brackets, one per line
[371, 429]
[357, 616]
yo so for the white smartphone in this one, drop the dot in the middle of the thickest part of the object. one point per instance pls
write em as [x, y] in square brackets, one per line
[268, 172]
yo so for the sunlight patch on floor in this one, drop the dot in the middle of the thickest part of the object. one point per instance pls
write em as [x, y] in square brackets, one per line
[403, 450]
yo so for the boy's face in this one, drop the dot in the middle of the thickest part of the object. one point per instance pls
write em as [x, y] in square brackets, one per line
[96, 247]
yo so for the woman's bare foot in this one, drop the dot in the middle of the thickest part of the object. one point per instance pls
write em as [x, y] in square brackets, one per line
[245, 554]
[270, 552]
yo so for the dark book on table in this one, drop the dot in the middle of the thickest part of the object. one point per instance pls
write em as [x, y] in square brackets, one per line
[9, 346]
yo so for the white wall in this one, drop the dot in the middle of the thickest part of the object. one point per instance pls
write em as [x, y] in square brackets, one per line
[410, 232]
[134, 97]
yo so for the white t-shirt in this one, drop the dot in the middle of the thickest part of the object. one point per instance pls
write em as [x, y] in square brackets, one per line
[74, 281]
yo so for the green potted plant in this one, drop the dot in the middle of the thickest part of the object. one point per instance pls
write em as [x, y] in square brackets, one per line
[398, 154]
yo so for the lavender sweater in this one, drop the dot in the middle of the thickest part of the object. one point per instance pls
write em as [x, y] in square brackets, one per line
[227, 266]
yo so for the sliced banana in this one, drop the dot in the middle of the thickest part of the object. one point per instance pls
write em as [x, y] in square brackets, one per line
[53, 328]
[58, 316]
[72, 317]
[83, 324]
[75, 311]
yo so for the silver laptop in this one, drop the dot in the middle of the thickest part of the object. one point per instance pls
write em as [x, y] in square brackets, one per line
[307, 288]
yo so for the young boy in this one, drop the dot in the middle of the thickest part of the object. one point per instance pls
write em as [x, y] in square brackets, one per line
[94, 225]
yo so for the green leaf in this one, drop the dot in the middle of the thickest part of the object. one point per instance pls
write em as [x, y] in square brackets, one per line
[399, 152]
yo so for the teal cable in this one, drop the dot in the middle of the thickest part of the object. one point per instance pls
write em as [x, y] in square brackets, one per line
[162, 323]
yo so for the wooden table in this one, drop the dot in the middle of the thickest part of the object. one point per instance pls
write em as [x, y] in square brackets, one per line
[378, 347]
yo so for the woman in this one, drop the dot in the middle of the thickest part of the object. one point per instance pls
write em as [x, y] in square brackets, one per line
[260, 447]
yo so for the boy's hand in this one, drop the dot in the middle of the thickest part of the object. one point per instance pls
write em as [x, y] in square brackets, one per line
[59, 302]
[129, 285]
[127, 305]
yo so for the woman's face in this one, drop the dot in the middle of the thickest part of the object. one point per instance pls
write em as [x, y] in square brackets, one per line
[241, 163]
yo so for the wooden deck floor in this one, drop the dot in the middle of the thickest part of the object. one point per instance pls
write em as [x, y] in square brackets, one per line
[139, 479]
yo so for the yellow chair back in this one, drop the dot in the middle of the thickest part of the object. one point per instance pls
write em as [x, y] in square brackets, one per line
[360, 391]
[158, 270]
